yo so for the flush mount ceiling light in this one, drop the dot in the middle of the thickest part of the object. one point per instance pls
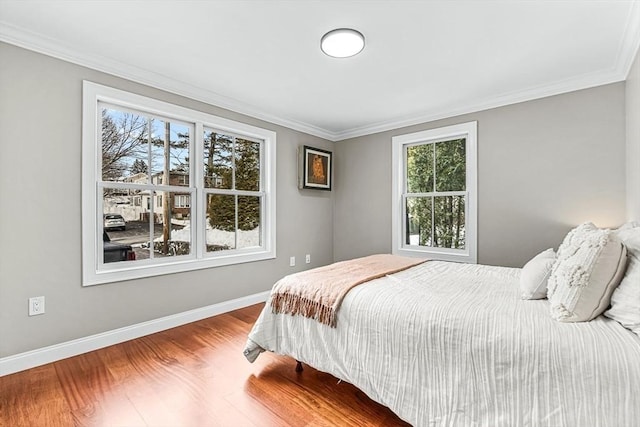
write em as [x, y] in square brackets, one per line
[342, 43]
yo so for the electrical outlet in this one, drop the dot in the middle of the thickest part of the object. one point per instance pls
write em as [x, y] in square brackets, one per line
[307, 258]
[292, 261]
[36, 306]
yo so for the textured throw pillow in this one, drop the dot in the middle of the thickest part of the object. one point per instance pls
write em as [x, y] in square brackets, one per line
[535, 274]
[625, 301]
[590, 264]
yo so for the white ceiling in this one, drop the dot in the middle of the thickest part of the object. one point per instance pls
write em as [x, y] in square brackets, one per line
[423, 60]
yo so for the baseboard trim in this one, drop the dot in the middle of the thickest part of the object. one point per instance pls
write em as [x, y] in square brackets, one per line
[31, 359]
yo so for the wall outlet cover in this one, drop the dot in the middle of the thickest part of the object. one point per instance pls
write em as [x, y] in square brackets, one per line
[36, 306]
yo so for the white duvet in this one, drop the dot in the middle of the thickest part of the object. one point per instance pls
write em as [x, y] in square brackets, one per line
[454, 345]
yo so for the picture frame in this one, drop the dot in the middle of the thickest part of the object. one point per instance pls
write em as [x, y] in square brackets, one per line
[314, 168]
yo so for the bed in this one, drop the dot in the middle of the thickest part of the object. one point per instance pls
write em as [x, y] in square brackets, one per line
[443, 343]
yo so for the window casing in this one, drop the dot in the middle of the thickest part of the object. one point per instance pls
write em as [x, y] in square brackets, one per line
[434, 193]
[147, 160]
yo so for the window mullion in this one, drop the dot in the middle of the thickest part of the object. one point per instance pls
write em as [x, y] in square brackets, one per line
[235, 230]
[152, 195]
[434, 167]
[438, 193]
[233, 163]
[100, 209]
[433, 198]
[198, 209]
[152, 221]
[433, 221]
[405, 174]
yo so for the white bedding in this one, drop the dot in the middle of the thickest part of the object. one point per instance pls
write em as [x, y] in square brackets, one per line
[453, 344]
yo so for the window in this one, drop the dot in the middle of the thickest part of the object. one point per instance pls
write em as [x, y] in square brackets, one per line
[192, 190]
[182, 201]
[435, 193]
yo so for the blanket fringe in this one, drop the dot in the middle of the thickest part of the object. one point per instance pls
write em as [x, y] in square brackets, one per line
[283, 303]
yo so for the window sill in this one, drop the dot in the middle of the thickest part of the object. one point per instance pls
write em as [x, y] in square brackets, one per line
[138, 271]
[437, 254]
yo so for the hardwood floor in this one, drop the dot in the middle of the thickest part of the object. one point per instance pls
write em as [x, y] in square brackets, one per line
[193, 375]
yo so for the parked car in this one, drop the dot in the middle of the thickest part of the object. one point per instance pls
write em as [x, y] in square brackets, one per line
[114, 221]
[114, 252]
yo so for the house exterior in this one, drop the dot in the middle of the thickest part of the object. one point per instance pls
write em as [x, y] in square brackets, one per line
[136, 205]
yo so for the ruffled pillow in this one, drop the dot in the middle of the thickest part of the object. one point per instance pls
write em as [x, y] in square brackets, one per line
[590, 264]
[535, 274]
[625, 300]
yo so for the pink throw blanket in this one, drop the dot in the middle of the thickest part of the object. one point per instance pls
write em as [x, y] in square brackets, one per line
[318, 293]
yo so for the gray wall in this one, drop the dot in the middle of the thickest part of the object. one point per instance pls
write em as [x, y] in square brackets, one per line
[632, 97]
[543, 167]
[40, 208]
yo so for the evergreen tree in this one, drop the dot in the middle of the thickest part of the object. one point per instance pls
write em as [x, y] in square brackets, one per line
[221, 209]
[437, 167]
[232, 163]
[247, 177]
[139, 166]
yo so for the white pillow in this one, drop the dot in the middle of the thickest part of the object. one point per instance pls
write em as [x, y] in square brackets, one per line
[590, 264]
[625, 301]
[535, 274]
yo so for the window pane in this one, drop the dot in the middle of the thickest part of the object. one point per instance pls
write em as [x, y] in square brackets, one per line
[169, 153]
[124, 146]
[418, 221]
[247, 165]
[420, 168]
[218, 163]
[221, 222]
[172, 231]
[451, 165]
[449, 217]
[125, 229]
[248, 221]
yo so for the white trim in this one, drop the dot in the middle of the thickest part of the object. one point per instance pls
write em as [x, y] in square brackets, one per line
[93, 271]
[31, 359]
[473, 106]
[631, 42]
[9, 33]
[467, 130]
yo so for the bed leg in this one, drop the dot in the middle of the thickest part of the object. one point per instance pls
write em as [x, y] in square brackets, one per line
[298, 366]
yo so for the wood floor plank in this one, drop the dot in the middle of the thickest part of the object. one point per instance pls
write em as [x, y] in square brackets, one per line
[247, 315]
[193, 375]
[92, 393]
[33, 399]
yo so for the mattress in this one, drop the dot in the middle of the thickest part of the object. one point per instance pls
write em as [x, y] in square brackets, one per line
[453, 344]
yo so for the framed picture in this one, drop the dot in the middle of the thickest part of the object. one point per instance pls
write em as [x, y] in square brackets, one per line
[314, 168]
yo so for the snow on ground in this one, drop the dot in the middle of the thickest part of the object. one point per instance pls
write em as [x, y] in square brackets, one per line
[246, 239]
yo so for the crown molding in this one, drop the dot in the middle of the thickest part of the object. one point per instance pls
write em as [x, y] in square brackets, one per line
[474, 106]
[629, 46]
[44, 45]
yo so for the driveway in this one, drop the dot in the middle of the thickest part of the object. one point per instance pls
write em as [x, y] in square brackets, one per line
[136, 234]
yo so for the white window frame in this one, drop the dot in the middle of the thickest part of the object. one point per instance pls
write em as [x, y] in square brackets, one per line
[399, 190]
[94, 271]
